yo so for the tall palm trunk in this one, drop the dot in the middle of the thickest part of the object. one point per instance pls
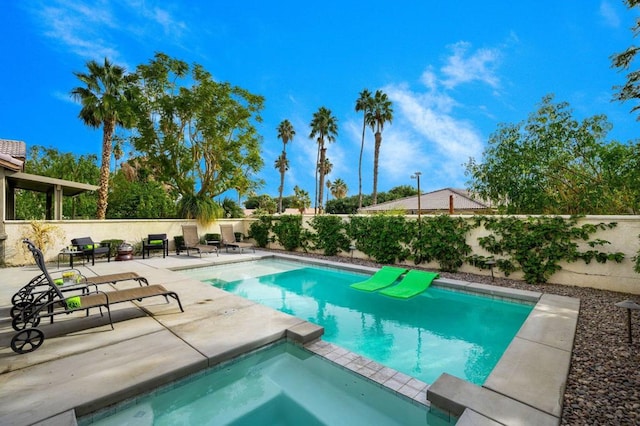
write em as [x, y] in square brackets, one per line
[315, 203]
[103, 190]
[364, 127]
[323, 152]
[281, 189]
[376, 154]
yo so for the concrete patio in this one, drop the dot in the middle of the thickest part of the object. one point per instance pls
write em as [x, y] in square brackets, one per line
[83, 365]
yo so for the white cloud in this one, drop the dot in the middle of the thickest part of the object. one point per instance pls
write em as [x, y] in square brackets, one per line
[89, 29]
[609, 14]
[464, 66]
[426, 134]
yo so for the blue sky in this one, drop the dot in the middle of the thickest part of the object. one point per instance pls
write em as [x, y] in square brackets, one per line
[453, 70]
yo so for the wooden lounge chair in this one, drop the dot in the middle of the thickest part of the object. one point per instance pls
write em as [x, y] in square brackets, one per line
[54, 302]
[192, 241]
[229, 239]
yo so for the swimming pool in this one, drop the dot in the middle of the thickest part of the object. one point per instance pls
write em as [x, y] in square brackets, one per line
[280, 385]
[438, 331]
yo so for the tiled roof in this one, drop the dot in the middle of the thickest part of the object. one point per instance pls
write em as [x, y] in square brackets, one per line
[16, 149]
[436, 200]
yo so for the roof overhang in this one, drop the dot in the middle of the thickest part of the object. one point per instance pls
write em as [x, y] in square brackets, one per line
[46, 184]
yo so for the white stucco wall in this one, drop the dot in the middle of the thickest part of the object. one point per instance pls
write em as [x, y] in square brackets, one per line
[609, 276]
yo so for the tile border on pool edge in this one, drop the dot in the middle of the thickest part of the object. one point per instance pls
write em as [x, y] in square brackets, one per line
[399, 383]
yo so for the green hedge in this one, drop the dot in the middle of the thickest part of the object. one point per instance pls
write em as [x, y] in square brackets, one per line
[533, 245]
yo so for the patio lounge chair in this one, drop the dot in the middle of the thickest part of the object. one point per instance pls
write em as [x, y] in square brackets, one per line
[155, 242]
[92, 250]
[229, 239]
[54, 302]
[39, 284]
[192, 241]
[384, 277]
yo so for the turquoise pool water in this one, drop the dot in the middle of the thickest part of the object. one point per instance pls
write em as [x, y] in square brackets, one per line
[438, 331]
[280, 385]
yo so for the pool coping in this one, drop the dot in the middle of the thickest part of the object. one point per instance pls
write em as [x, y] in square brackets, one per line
[538, 357]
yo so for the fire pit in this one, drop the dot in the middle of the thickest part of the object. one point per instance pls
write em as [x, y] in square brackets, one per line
[125, 252]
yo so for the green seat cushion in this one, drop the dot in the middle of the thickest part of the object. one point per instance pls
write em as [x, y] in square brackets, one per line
[156, 242]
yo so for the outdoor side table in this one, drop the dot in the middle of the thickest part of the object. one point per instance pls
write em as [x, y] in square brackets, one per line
[71, 254]
[213, 243]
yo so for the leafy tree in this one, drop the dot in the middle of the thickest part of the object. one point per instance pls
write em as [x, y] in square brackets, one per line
[623, 61]
[197, 135]
[364, 104]
[324, 126]
[52, 163]
[231, 208]
[105, 99]
[554, 164]
[381, 112]
[349, 205]
[397, 192]
[286, 132]
[138, 198]
[266, 205]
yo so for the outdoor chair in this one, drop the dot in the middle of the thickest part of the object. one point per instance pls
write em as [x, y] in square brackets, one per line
[155, 242]
[92, 250]
[229, 239]
[39, 284]
[192, 241]
[54, 302]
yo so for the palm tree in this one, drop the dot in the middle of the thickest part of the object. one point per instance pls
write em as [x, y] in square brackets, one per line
[339, 189]
[381, 112]
[323, 126]
[104, 99]
[286, 132]
[364, 104]
[301, 199]
[281, 164]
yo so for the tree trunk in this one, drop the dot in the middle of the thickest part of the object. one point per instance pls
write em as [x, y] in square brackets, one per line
[376, 154]
[323, 152]
[364, 127]
[315, 195]
[103, 190]
[282, 170]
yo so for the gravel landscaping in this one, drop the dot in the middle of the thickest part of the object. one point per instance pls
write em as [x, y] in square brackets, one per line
[603, 387]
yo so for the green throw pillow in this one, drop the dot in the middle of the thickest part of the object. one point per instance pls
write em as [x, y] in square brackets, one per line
[88, 247]
[74, 303]
[156, 242]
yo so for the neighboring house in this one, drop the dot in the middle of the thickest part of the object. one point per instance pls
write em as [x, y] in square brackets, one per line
[447, 200]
